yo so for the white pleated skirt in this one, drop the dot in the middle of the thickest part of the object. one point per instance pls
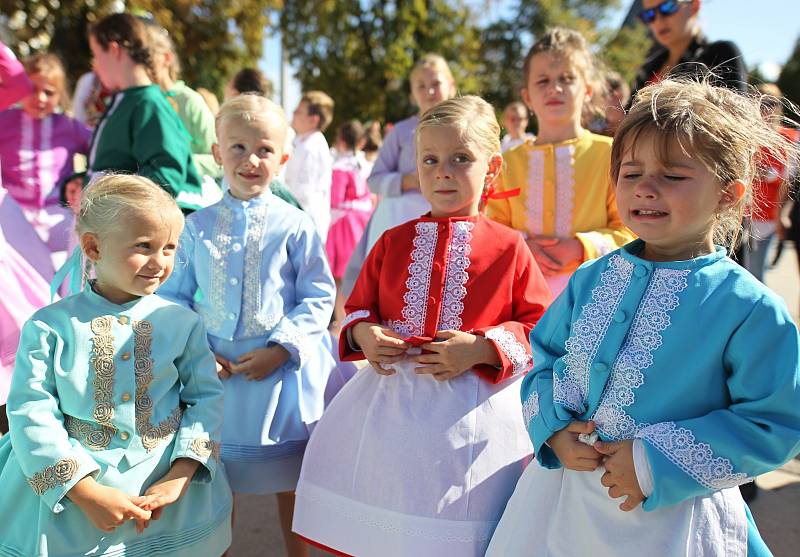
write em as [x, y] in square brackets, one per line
[564, 513]
[403, 465]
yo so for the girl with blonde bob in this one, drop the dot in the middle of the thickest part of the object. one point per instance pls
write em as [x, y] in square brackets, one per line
[666, 375]
[115, 406]
[419, 451]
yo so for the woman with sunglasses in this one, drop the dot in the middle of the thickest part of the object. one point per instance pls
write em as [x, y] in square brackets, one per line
[682, 49]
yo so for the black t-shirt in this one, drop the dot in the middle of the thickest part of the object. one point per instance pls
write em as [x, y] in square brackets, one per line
[722, 58]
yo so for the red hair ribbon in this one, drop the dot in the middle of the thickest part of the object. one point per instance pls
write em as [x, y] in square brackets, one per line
[490, 193]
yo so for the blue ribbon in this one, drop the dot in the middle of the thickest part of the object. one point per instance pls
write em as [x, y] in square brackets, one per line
[73, 266]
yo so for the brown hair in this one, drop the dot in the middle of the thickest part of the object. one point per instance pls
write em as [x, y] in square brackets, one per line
[319, 104]
[251, 80]
[373, 140]
[50, 66]
[572, 46]
[350, 133]
[721, 128]
[130, 32]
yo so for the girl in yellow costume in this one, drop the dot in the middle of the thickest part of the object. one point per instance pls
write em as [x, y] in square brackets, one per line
[567, 209]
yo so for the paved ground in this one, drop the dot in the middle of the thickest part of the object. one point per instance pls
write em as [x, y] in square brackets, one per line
[776, 510]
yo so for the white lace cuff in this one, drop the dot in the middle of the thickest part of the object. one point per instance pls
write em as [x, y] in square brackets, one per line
[644, 475]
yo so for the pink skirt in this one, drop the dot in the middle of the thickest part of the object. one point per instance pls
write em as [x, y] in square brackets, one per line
[24, 279]
[343, 235]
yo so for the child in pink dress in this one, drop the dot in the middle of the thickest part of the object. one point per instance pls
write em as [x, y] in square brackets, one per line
[24, 279]
[37, 146]
[351, 202]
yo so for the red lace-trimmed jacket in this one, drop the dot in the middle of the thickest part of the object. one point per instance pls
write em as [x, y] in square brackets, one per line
[466, 273]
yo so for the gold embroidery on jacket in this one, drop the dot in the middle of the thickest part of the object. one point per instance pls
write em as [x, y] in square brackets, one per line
[92, 437]
[98, 437]
[53, 476]
[205, 448]
[151, 435]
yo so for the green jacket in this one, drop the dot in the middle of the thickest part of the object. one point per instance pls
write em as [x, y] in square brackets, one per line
[141, 133]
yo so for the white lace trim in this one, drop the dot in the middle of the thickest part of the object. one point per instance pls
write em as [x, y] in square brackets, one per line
[354, 316]
[47, 170]
[587, 332]
[565, 189]
[530, 408]
[418, 282]
[456, 276]
[513, 349]
[292, 339]
[696, 459]
[601, 242]
[218, 250]
[636, 354]
[255, 323]
[534, 196]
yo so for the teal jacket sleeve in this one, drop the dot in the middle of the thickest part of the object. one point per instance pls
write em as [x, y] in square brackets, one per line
[52, 461]
[757, 433]
[181, 287]
[160, 146]
[542, 416]
[304, 325]
[198, 437]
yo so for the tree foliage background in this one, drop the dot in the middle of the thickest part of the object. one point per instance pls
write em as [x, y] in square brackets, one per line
[789, 79]
[361, 51]
[214, 38]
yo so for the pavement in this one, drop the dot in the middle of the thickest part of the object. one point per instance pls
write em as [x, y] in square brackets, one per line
[776, 509]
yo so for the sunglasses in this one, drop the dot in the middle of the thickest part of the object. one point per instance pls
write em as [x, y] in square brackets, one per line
[669, 7]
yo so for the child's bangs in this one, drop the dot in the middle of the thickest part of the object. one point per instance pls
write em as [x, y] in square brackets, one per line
[667, 128]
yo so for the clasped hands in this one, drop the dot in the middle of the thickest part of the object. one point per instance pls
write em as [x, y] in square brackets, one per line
[616, 458]
[107, 507]
[453, 353]
[555, 255]
[254, 365]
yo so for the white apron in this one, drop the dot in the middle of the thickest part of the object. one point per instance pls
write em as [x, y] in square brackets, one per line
[404, 465]
[564, 513]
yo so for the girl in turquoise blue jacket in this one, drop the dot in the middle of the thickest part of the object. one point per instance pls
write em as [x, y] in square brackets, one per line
[115, 405]
[665, 375]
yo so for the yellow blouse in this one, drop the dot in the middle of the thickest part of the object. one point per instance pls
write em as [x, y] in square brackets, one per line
[566, 191]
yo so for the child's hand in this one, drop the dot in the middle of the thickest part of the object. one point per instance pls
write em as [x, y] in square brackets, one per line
[554, 255]
[106, 507]
[456, 353]
[259, 363]
[167, 490]
[380, 345]
[574, 454]
[223, 367]
[620, 476]
[410, 182]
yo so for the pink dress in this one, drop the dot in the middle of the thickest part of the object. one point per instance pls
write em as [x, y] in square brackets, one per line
[36, 156]
[25, 281]
[351, 207]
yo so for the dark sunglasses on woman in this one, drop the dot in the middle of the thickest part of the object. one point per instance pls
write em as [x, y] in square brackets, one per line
[669, 7]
